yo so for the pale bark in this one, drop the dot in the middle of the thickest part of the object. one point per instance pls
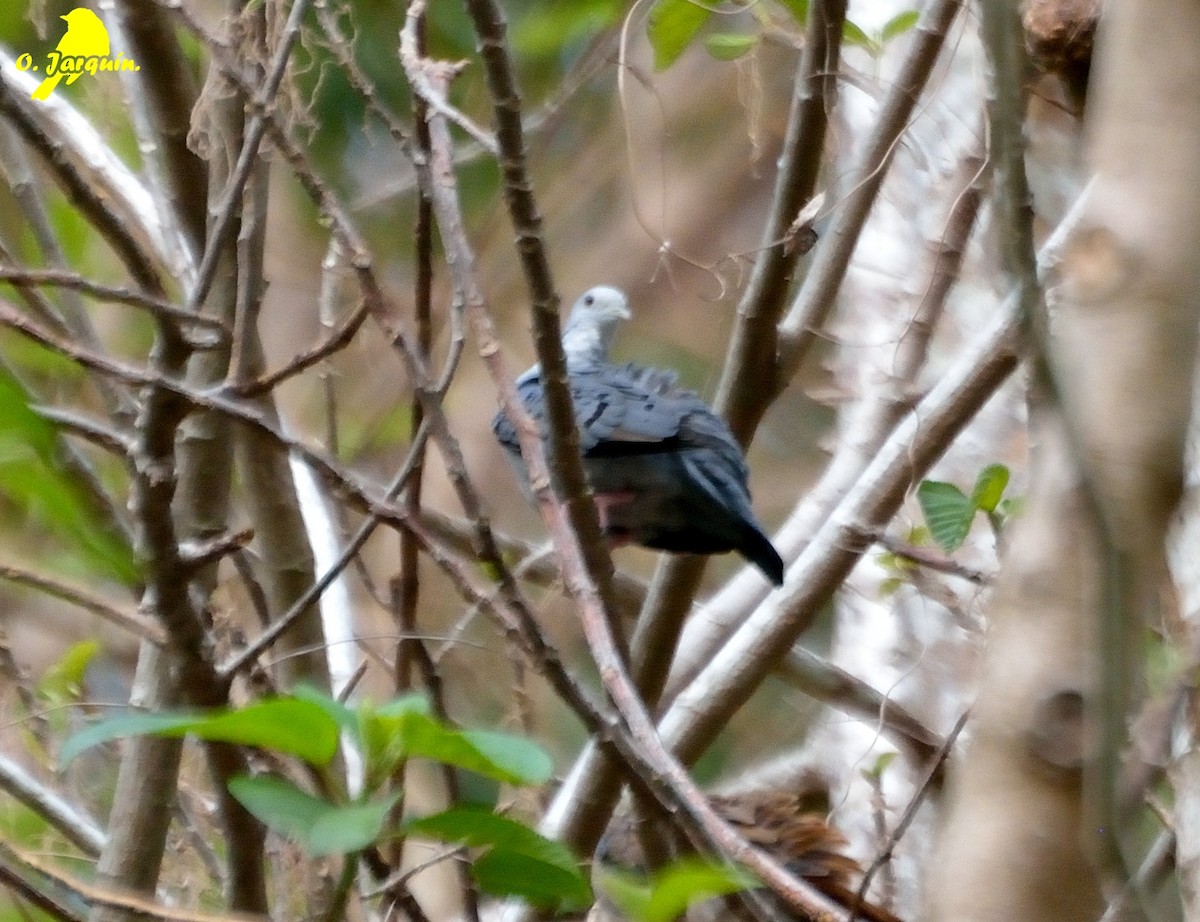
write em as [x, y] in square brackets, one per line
[1026, 837]
[1013, 845]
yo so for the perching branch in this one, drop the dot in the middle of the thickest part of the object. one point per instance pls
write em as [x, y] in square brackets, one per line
[562, 438]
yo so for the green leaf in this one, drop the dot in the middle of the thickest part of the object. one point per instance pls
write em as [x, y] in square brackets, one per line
[280, 805]
[853, 35]
[459, 748]
[33, 479]
[669, 892]
[671, 27]
[989, 487]
[948, 513]
[118, 727]
[899, 24]
[520, 862]
[404, 728]
[317, 826]
[385, 733]
[798, 9]
[414, 703]
[504, 872]
[284, 725]
[344, 717]
[875, 772]
[630, 893]
[63, 681]
[350, 828]
[513, 759]
[729, 46]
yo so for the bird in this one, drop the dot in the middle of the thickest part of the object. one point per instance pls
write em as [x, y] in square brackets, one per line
[85, 37]
[665, 471]
[780, 822]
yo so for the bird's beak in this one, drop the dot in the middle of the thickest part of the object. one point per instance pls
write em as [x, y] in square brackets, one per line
[64, 18]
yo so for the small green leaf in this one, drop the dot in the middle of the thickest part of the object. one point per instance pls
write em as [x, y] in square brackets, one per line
[875, 772]
[671, 27]
[899, 24]
[317, 826]
[668, 894]
[989, 487]
[115, 728]
[729, 46]
[493, 755]
[520, 862]
[349, 828]
[853, 35]
[414, 703]
[491, 571]
[513, 758]
[285, 725]
[948, 513]
[63, 681]
[503, 872]
[893, 563]
[385, 734]
[344, 717]
[280, 805]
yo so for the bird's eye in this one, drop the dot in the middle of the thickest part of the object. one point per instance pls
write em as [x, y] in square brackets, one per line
[589, 300]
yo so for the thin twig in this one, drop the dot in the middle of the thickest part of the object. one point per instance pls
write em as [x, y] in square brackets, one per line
[910, 811]
[816, 298]
[72, 820]
[130, 620]
[283, 621]
[222, 219]
[931, 560]
[562, 438]
[337, 339]
[832, 685]
[159, 307]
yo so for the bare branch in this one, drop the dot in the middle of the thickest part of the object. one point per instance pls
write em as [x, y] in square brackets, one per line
[816, 298]
[158, 307]
[130, 620]
[72, 820]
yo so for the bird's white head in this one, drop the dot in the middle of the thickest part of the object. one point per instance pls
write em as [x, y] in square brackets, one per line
[593, 322]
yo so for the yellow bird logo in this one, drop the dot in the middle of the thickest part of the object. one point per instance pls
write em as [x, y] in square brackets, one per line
[81, 50]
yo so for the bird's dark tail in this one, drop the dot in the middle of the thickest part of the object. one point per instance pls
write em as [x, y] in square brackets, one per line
[758, 549]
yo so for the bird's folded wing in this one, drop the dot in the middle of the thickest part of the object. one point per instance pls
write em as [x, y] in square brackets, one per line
[618, 413]
[623, 410]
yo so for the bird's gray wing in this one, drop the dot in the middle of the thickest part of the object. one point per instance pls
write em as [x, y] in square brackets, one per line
[529, 390]
[629, 409]
[613, 408]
